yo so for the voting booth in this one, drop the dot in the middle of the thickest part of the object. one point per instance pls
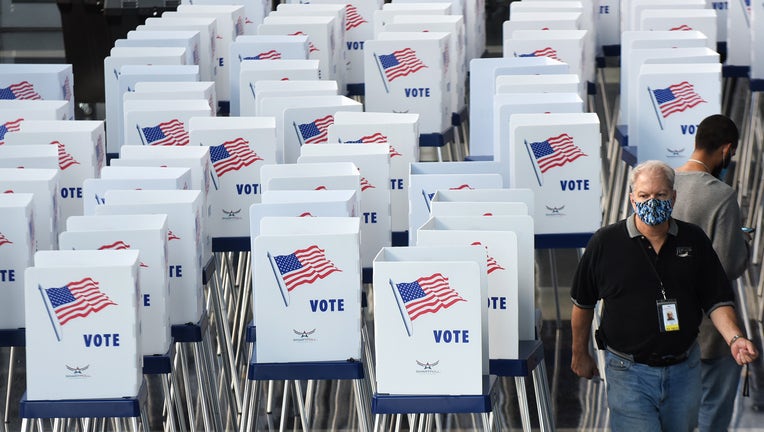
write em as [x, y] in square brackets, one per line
[430, 332]
[254, 11]
[43, 183]
[672, 101]
[314, 176]
[82, 325]
[148, 235]
[38, 82]
[482, 202]
[31, 156]
[184, 255]
[374, 168]
[557, 156]
[161, 122]
[17, 247]
[739, 36]
[428, 177]
[176, 90]
[271, 88]
[238, 148]
[253, 71]
[188, 39]
[307, 289]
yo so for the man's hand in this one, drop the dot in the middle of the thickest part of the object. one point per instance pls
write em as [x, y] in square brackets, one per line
[584, 365]
[743, 351]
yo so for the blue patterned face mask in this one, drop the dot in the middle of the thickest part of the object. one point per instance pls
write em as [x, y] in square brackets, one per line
[654, 211]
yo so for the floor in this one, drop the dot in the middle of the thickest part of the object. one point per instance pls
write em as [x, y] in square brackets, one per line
[577, 404]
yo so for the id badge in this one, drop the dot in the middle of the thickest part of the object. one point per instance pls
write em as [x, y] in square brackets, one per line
[668, 315]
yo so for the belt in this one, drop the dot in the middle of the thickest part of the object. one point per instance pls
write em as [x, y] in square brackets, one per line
[653, 360]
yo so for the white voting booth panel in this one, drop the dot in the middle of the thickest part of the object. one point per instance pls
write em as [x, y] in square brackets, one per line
[672, 102]
[563, 45]
[482, 202]
[650, 40]
[722, 11]
[483, 73]
[337, 41]
[273, 88]
[757, 31]
[300, 203]
[43, 183]
[169, 90]
[507, 105]
[385, 16]
[16, 250]
[409, 72]
[238, 148]
[82, 325]
[208, 35]
[426, 178]
[401, 132]
[29, 156]
[253, 71]
[430, 332]
[567, 83]
[148, 235]
[161, 122]
[739, 33]
[374, 167]
[702, 20]
[608, 22]
[262, 47]
[631, 12]
[321, 43]
[230, 24]
[131, 178]
[303, 120]
[307, 289]
[557, 157]
[188, 39]
[454, 25]
[112, 65]
[662, 56]
[38, 81]
[502, 263]
[183, 209]
[254, 11]
[130, 75]
[195, 158]
[312, 177]
[13, 112]
[541, 21]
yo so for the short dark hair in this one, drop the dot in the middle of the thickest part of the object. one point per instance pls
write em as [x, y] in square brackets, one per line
[715, 131]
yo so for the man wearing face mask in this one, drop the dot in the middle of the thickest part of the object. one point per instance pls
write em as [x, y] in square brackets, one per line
[656, 277]
[707, 201]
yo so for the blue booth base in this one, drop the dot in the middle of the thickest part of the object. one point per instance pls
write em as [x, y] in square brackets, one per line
[231, 244]
[531, 355]
[13, 337]
[319, 370]
[157, 364]
[433, 404]
[83, 408]
[190, 332]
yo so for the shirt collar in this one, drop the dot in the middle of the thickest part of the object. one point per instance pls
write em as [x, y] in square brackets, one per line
[631, 226]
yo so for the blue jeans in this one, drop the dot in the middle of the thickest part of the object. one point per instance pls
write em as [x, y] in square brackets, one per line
[645, 398]
[720, 377]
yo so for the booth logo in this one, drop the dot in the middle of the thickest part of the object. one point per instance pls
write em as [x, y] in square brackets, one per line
[555, 211]
[674, 152]
[304, 335]
[231, 214]
[427, 367]
[77, 372]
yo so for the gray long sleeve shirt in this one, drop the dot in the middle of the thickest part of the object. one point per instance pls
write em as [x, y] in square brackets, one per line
[711, 204]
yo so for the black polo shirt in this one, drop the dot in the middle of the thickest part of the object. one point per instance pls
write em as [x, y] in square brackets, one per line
[621, 268]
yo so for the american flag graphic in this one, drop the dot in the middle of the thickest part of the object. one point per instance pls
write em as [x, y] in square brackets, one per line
[555, 152]
[304, 266]
[676, 98]
[170, 133]
[375, 138]
[65, 160]
[11, 126]
[117, 245]
[67, 89]
[320, 188]
[544, 52]
[683, 27]
[22, 90]
[427, 295]
[316, 131]
[353, 18]
[4, 240]
[400, 63]
[492, 264]
[267, 55]
[306, 214]
[311, 48]
[77, 300]
[366, 185]
[232, 156]
[171, 236]
[462, 187]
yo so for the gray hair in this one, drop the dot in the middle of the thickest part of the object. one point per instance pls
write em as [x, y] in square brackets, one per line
[650, 167]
